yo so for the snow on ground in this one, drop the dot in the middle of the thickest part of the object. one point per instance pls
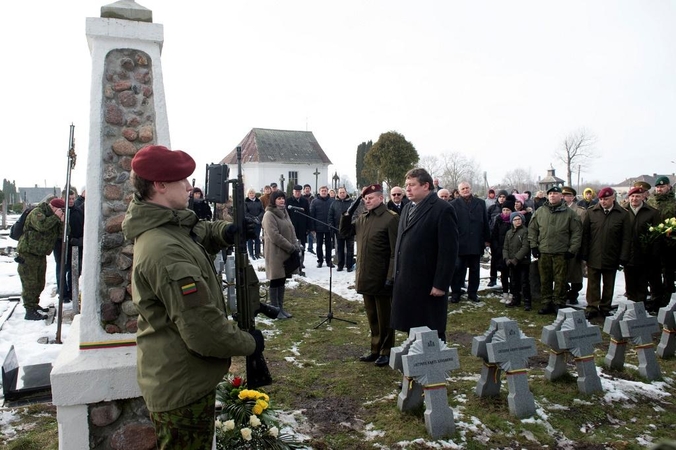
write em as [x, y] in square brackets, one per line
[24, 335]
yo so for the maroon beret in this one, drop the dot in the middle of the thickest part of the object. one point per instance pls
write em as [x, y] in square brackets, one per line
[58, 203]
[371, 189]
[158, 163]
[605, 192]
[636, 190]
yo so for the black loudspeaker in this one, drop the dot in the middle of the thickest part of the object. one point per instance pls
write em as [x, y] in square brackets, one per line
[217, 183]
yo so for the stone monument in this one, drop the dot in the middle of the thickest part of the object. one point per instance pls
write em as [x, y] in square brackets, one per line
[427, 362]
[556, 365]
[94, 378]
[618, 345]
[639, 327]
[510, 348]
[576, 336]
[411, 395]
[666, 316]
[489, 381]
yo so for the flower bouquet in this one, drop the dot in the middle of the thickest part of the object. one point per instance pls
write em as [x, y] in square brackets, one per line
[246, 421]
[666, 230]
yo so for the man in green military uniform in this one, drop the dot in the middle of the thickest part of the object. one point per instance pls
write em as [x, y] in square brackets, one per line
[376, 231]
[606, 245]
[44, 225]
[575, 265]
[665, 202]
[555, 235]
[185, 340]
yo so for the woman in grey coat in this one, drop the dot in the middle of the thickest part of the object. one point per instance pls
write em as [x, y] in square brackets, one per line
[280, 243]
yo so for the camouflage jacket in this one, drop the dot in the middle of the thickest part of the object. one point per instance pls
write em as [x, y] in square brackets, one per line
[664, 203]
[41, 230]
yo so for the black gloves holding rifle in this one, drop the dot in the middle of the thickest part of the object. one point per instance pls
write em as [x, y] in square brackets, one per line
[232, 229]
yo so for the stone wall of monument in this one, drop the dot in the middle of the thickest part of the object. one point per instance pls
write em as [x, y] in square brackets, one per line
[120, 425]
[129, 125]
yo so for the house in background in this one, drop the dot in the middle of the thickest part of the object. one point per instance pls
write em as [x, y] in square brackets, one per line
[623, 187]
[285, 157]
[34, 195]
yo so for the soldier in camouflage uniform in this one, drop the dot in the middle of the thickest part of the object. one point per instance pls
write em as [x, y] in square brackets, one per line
[665, 202]
[555, 236]
[184, 338]
[43, 226]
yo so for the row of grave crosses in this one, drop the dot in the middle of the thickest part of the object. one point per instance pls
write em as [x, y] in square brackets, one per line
[425, 360]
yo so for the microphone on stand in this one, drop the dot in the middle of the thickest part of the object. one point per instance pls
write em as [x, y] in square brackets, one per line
[295, 208]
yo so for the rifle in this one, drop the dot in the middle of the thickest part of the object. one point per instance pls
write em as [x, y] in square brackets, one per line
[66, 224]
[246, 285]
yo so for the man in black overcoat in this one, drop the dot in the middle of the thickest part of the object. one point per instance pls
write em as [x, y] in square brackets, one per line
[474, 236]
[427, 247]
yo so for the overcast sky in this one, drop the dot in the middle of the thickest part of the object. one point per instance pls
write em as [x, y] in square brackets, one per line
[502, 82]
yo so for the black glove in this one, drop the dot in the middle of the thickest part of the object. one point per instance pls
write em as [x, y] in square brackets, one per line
[260, 342]
[75, 242]
[230, 232]
[535, 252]
[389, 283]
[251, 224]
[569, 255]
[353, 207]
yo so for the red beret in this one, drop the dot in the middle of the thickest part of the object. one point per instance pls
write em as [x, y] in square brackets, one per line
[371, 189]
[158, 163]
[605, 192]
[58, 203]
[636, 190]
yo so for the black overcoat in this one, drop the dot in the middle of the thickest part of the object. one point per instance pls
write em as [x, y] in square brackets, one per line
[427, 247]
[473, 229]
[301, 223]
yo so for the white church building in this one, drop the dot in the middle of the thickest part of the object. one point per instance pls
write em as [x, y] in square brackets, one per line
[285, 157]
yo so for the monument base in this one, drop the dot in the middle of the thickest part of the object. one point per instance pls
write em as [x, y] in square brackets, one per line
[84, 378]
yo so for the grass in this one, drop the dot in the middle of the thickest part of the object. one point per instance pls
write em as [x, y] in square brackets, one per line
[347, 404]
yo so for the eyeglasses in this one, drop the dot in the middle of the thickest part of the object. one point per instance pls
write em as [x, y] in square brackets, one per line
[395, 195]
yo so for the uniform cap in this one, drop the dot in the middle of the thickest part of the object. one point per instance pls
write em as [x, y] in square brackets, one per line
[554, 189]
[371, 189]
[636, 190]
[273, 185]
[661, 181]
[298, 187]
[58, 203]
[643, 185]
[158, 163]
[606, 192]
[568, 190]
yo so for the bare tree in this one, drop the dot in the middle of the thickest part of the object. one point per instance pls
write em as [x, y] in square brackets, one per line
[520, 179]
[457, 168]
[576, 151]
[431, 164]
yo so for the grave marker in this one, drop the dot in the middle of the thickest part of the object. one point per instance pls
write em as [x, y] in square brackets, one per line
[618, 345]
[640, 326]
[411, 395]
[556, 367]
[666, 316]
[578, 336]
[489, 381]
[428, 362]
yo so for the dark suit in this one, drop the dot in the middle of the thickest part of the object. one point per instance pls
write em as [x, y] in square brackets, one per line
[392, 207]
[473, 233]
[427, 246]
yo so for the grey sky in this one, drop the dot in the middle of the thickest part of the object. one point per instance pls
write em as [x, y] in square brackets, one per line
[502, 82]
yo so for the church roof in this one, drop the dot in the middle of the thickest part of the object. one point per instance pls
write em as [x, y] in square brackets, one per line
[279, 146]
[650, 179]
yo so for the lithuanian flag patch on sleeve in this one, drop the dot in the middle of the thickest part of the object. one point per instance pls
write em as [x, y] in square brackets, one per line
[189, 288]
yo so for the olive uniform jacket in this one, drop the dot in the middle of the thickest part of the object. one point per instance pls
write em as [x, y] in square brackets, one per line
[184, 338]
[376, 232]
[555, 229]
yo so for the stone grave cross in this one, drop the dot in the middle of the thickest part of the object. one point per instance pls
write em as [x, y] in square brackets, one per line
[556, 367]
[411, 395]
[511, 349]
[640, 326]
[578, 336]
[618, 345]
[428, 362]
[489, 381]
[667, 317]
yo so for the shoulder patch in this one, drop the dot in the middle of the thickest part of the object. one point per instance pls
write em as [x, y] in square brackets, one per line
[189, 288]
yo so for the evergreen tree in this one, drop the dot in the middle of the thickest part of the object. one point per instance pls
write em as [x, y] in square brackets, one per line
[389, 159]
[362, 150]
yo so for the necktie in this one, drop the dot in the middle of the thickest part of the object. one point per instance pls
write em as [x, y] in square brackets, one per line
[606, 211]
[411, 211]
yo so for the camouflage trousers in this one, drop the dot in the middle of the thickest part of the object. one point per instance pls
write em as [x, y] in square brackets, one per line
[32, 273]
[553, 269]
[188, 428]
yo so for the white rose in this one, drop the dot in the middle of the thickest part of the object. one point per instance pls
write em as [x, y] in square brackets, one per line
[254, 421]
[229, 425]
[219, 424]
[246, 433]
[274, 432]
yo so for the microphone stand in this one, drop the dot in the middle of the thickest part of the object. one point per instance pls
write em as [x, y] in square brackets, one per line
[329, 316]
